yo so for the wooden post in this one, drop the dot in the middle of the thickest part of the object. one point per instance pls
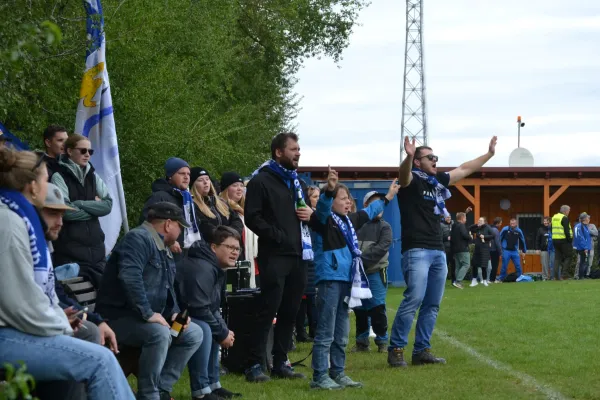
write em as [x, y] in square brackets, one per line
[546, 200]
[556, 195]
[477, 203]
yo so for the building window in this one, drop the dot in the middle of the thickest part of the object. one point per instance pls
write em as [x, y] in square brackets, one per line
[529, 224]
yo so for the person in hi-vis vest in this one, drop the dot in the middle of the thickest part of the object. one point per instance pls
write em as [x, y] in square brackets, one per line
[562, 237]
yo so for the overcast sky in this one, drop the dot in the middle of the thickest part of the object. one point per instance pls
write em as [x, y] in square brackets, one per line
[486, 62]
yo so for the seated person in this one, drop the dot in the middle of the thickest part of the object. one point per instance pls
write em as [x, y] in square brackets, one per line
[96, 330]
[33, 327]
[201, 278]
[137, 298]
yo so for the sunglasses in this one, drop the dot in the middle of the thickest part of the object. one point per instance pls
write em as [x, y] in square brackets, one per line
[85, 151]
[430, 157]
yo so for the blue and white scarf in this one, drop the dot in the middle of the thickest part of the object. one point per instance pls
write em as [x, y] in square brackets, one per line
[440, 192]
[191, 234]
[289, 177]
[42, 265]
[360, 283]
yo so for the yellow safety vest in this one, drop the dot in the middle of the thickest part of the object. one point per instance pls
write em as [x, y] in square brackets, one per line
[558, 231]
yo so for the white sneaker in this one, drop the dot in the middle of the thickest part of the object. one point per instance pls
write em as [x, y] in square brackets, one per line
[474, 283]
[485, 283]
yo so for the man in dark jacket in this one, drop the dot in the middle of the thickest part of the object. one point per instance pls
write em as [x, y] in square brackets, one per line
[170, 189]
[446, 226]
[137, 298]
[541, 247]
[276, 211]
[374, 239]
[200, 280]
[460, 239]
[55, 137]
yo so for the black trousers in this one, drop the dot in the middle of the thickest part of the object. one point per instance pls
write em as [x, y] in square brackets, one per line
[307, 310]
[378, 321]
[450, 263]
[495, 259]
[562, 256]
[282, 283]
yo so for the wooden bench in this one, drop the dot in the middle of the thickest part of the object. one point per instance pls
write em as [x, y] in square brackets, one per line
[85, 294]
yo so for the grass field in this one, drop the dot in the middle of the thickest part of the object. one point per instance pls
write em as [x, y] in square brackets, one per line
[513, 341]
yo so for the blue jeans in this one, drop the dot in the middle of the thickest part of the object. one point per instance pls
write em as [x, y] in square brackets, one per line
[425, 274]
[552, 256]
[508, 255]
[66, 358]
[204, 364]
[333, 328]
[162, 360]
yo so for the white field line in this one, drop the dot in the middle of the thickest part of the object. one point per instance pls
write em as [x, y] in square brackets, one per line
[526, 379]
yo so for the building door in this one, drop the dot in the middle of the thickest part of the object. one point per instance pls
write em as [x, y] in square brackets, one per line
[529, 224]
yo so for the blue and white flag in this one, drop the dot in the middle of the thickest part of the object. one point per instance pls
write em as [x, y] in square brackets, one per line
[95, 121]
[11, 140]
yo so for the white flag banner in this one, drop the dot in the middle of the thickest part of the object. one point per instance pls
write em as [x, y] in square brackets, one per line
[95, 120]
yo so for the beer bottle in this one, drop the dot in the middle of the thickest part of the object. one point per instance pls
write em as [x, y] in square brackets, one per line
[300, 202]
[179, 323]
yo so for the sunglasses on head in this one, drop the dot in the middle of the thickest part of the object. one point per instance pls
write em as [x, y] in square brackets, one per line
[430, 157]
[85, 151]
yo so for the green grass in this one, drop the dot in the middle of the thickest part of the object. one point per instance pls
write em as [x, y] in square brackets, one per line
[546, 330]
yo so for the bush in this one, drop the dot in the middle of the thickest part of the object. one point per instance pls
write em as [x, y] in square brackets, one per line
[16, 384]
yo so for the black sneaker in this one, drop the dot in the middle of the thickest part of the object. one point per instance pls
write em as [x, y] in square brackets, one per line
[165, 395]
[226, 394]
[426, 357]
[303, 338]
[208, 396]
[286, 372]
[396, 358]
[256, 375]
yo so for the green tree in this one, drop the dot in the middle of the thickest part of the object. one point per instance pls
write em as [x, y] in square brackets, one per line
[208, 81]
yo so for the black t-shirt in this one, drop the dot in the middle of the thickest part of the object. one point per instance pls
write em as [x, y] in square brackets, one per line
[420, 226]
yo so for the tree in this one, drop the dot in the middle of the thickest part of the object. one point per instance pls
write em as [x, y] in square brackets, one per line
[209, 81]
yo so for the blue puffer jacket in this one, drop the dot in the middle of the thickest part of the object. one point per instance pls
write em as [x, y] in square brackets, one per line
[333, 260]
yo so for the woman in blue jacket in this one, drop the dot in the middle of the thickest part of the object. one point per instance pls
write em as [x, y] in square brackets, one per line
[338, 270]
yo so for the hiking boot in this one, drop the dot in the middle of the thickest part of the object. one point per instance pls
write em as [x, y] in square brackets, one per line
[361, 348]
[226, 394]
[255, 374]
[303, 338]
[344, 381]
[382, 347]
[325, 383]
[396, 358]
[457, 285]
[426, 357]
[208, 396]
[286, 372]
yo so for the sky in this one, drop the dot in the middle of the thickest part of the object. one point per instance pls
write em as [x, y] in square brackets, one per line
[486, 62]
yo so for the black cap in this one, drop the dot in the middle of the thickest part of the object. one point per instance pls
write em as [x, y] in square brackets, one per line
[166, 210]
[229, 178]
[196, 173]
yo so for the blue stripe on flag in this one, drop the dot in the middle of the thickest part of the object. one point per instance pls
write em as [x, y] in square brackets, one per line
[94, 26]
[14, 142]
[95, 119]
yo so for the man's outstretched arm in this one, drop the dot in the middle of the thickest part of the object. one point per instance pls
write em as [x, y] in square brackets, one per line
[405, 172]
[469, 167]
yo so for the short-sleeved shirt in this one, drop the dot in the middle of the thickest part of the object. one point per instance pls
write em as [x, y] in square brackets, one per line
[420, 225]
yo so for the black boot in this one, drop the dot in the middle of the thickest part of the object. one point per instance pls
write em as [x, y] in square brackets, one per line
[396, 358]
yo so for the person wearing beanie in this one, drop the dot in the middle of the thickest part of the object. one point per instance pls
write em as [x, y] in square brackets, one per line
[211, 210]
[173, 188]
[233, 191]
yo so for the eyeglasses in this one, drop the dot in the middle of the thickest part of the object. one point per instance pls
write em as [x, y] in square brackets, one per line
[40, 156]
[233, 249]
[84, 151]
[430, 157]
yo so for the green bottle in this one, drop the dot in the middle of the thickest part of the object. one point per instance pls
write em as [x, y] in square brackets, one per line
[300, 202]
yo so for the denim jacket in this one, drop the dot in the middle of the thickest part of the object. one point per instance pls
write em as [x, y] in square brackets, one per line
[138, 278]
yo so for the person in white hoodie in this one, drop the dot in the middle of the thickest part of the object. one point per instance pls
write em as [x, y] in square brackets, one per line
[33, 327]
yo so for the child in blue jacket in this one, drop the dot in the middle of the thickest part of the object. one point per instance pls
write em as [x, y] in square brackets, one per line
[340, 278]
[582, 242]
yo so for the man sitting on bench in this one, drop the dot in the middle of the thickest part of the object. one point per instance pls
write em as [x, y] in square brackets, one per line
[137, 298]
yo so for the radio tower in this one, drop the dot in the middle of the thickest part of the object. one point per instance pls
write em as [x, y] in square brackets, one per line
[414, 111]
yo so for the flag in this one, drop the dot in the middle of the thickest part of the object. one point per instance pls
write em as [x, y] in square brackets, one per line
[95, 121]
[11, 140]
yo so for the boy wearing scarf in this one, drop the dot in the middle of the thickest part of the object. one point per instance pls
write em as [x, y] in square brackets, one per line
[422, 204]
[341, 281]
